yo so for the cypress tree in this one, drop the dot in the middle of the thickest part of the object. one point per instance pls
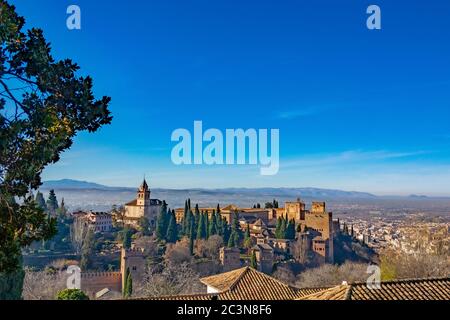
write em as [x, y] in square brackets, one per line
[247, 232]
[191, 236]
[201, 228]
[253, 262]
[212, 229]
[247, 238]
[225, 230]
[185, 225]
[126, 238]
[161, 223]
[283, 228]
[290, 231]
[172, 232]
[206, 225]
[278, 228]
[128, 287]
[52, 202]
[40, 201]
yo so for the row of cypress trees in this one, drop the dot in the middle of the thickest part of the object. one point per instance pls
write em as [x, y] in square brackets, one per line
[197, 225]
[285, 228]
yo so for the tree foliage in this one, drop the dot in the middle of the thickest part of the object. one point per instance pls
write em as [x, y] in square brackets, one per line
[43, 105]
[72, 294]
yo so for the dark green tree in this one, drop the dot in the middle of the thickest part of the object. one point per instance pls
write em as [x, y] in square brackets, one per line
[128, 285]
[226, 230]
[191, 236]
[172, 231]
[201, 228]
[162, 223]
[275, 203]
[212, 229]
[43, 106]
[253, 262]
[235, 235]
[62, 210]
[278, 228]
[185, 223]
[144, 225]
[40, 201]
[290, 230]
[52, 202]
[87, 250]
[71, 294]
[247, 238]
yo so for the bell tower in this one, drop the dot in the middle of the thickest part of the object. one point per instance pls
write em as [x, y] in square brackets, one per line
[143, 195]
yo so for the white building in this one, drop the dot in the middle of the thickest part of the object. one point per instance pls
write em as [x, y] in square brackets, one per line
[142, 206]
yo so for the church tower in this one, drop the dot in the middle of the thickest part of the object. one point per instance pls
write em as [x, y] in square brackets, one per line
[143, 195]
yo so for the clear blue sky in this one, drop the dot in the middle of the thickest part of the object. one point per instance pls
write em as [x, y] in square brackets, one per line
[357, 109]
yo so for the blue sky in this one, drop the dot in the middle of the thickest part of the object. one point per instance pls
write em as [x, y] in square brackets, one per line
[357, 109]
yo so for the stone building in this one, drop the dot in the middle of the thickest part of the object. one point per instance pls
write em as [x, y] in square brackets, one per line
[93, 283]
[264, 257]
[98, 221]
[134, 260]
[230, 258]
[142, 206]
[318, 222]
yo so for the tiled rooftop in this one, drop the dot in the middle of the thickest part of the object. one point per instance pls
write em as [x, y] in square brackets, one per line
[409, 289]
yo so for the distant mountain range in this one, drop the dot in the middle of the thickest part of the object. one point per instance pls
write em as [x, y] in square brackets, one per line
[94, 196]
[68, 184]
[76, 184]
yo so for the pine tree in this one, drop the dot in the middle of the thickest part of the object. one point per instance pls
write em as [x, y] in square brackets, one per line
[218, 209]
[172, 232]
[52, 202]
[40, 201]
[253, 262]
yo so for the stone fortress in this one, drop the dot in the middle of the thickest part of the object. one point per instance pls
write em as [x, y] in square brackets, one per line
[315, 225]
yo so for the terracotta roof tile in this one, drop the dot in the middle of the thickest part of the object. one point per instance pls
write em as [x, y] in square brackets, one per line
[245, 284]
[408, 289]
